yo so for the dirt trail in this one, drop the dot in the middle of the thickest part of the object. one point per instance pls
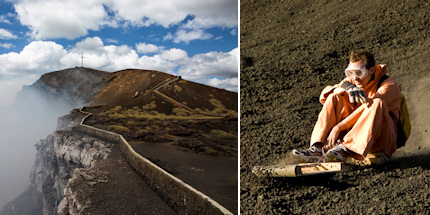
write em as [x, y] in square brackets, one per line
[290, 50]
[109, 198]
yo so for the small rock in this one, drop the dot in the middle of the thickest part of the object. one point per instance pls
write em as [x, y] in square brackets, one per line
[336, 199]
[260, 198]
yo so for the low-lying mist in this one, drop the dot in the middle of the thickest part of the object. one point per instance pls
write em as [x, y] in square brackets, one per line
[32, 117]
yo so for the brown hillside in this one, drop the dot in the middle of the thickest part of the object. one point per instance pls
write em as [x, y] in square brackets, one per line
[196, 95]
[122, 87]
[134, 88]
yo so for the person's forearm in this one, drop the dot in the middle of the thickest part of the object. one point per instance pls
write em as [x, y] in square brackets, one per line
[342, 125]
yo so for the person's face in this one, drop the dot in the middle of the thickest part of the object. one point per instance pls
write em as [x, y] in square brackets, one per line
[358, 73]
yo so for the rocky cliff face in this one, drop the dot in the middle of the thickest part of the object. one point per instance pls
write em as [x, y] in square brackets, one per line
[61, 158]
[58, 158]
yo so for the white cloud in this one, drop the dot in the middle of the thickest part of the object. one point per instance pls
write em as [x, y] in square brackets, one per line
[211, 64]
[60, 19]
[72, 19]
[206, 14]
[72, 59]
[121, 57]
[3, 19]
[5, 34]
[114, 41]
[89, 45]
[228, 83]
[233, 32]
[147, 12]
[175, 54]
[156, 63]
[144, 48]
[99, 56]
[168, 36]
[36, 57]
[186, 36]
[6, 45]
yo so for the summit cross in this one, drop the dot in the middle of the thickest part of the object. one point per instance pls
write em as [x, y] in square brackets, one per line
[82, 60]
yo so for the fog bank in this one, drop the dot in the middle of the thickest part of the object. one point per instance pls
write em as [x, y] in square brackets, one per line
[31, 118]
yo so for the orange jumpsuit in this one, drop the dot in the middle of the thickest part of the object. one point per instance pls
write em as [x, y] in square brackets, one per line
[369, 128]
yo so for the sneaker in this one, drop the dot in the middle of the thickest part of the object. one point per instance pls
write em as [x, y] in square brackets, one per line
[311, 154]
[337, 153]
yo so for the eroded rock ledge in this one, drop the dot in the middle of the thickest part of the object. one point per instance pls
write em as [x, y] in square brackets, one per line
[58, 158]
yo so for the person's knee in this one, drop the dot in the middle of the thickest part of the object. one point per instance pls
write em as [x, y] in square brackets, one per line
[378, 102]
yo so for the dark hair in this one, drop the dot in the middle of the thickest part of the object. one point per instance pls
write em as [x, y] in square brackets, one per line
[367, 58]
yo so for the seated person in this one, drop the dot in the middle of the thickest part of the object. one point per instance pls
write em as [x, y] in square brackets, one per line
[357, 117]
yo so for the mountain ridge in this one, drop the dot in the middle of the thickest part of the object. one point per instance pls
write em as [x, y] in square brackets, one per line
[127, 88]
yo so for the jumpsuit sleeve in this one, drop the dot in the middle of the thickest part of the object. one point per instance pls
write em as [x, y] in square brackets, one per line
[329, 90]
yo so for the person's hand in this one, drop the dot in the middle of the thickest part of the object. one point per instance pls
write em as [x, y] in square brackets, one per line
[355, 94]
[369, 102]
[332, 137]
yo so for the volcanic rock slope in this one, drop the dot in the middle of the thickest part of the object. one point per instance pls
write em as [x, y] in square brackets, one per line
[290, 50]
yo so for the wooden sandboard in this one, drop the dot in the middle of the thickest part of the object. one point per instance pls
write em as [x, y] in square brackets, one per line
[303, 169]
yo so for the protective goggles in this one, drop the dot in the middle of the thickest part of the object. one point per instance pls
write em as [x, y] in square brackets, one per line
[358, 72]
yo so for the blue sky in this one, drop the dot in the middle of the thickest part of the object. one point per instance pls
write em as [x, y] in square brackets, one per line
[197, 39]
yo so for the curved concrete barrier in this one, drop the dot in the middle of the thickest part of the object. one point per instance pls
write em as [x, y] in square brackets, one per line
[156, 88]
[173, 101]
[186, 198]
